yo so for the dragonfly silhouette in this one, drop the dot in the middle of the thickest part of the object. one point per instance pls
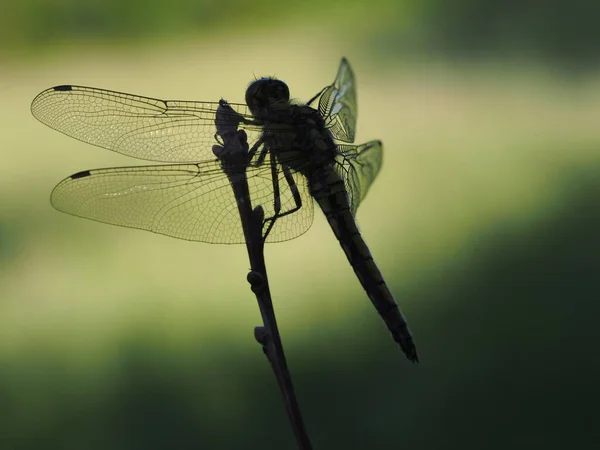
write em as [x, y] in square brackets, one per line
[297, 153]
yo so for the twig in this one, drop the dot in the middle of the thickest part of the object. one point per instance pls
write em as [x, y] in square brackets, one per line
[233, 155]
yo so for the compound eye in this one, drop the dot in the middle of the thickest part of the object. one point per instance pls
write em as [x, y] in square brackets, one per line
[280, 91]
[251, 93]
[261, 94]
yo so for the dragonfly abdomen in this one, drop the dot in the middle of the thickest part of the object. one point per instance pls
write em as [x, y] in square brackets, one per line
[327, 187]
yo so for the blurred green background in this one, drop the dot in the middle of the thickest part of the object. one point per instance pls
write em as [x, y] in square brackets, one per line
[485, 222]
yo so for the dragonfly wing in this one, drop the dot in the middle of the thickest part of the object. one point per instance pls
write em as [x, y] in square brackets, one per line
[187, 201]
[141, 127]
[337, 104]
[359, 165]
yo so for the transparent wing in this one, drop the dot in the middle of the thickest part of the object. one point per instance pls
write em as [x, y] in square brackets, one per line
[359, 165]
[337, 104]
[187, 201]
[141, 127]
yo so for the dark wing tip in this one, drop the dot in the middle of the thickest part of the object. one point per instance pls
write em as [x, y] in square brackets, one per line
[64, 87]
[82, 174]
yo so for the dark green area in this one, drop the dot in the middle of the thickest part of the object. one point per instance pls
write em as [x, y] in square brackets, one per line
[565, 32]
[509, 360]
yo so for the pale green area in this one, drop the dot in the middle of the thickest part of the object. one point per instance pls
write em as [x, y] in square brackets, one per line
[116, 338]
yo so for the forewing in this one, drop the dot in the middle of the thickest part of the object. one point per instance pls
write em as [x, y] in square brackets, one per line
[187, 201]
[337, 104]
[358, 166]
[141, 127]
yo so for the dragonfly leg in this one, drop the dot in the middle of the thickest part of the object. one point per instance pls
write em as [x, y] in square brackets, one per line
[294, 188]
[277, 202]
[254, 149]
[263, 154]
[276, 194]
[295, 193]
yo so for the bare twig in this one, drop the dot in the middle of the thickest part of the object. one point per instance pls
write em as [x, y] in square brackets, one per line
[233, 155]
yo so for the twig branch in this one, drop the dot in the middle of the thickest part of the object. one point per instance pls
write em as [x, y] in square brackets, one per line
[233, 155]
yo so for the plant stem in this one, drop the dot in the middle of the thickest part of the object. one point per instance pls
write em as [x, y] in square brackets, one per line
[234, 159]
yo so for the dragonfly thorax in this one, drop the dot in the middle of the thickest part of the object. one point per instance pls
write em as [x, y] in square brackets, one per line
[266, 95]
[295, 133]
[298, 137]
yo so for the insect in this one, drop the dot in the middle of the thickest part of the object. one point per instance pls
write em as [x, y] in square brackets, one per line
[297, 153]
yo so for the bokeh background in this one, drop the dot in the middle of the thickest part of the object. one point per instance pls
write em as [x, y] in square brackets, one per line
[484, 220]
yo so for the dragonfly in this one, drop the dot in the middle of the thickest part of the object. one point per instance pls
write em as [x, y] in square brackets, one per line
[298, 153]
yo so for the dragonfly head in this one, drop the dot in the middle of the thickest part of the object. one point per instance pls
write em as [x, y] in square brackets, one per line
[266, 94]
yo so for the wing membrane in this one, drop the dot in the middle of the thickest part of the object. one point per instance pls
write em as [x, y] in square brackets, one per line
[141, 127]
[337, 104]
[192, 201]
[359, 166]
[187, 201]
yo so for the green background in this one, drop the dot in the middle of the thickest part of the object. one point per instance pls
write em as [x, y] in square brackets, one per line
[484, 221]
